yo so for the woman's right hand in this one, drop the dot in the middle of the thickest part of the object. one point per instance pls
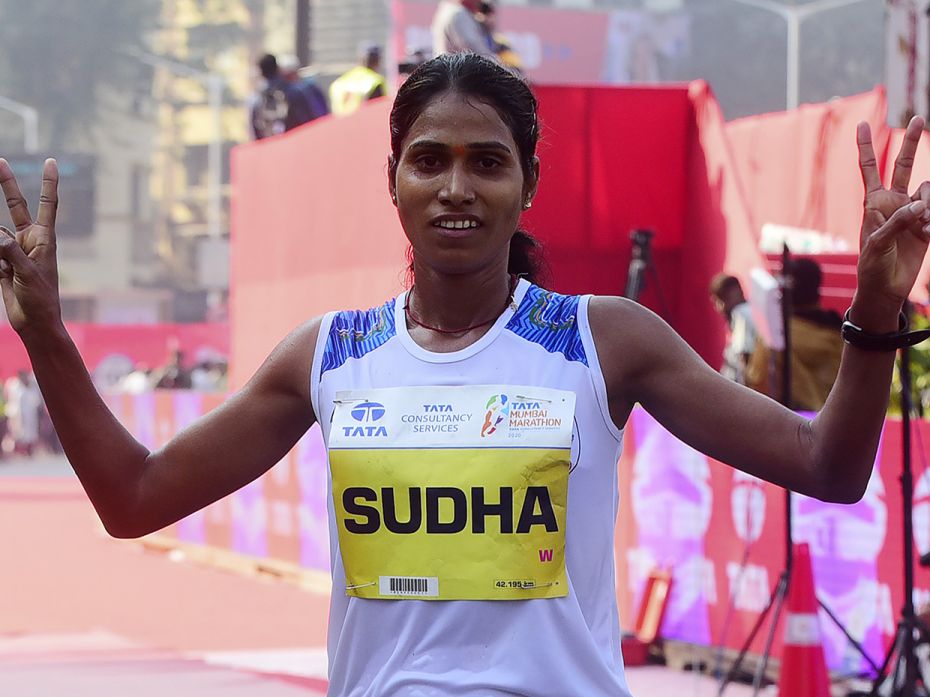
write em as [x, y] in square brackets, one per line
[28, 265]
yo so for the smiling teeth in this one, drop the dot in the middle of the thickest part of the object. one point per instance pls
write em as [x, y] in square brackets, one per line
[457, 224]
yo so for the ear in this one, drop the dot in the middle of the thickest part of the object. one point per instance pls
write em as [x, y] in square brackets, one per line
[532, 184]
[392, 178]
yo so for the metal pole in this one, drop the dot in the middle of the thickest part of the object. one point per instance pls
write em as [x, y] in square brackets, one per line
[793, 16]
[215, 158]
[302, 38]
[30, 117]
[793, 78]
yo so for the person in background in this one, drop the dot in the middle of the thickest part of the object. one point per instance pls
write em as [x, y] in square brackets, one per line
[816, 344]
[174, 375]
[289, 66]
[137, 381]
[487, 19]
[23, 401]
[456, 29]
[278, 106]
[729, 300]
[413, 59]
[359, 84]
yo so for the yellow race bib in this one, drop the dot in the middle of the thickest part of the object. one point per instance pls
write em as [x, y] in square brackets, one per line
[452, 493]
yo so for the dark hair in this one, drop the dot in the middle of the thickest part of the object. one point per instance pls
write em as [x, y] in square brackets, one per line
[268, 65]
[510, 96]
[805, 282]
[722, 284]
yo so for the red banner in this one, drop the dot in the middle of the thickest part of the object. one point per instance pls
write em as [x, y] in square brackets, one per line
[114, 349]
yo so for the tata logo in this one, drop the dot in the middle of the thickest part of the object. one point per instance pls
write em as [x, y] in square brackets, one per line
[521, 406]
[437, 408]
[367, 412]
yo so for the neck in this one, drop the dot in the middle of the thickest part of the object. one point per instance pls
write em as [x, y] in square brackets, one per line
[454, 302]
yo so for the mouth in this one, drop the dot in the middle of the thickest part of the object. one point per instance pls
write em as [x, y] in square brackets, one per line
[456, 225]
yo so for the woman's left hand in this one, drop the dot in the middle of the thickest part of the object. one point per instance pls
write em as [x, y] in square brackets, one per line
[895, 233]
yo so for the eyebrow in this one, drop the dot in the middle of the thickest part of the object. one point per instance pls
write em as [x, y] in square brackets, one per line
[427, 144]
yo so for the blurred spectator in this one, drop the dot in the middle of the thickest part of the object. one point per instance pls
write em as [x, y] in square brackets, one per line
[410, 62]
[729, 300]
[279, 105]
[359, 84]
[316, 100]
[487, 19]
[173, 376]
[138, 381]
[816, 344]
[456, 29]
[23, 403]
[209, 376]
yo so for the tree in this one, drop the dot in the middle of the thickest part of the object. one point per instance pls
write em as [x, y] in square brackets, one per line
[58, 55]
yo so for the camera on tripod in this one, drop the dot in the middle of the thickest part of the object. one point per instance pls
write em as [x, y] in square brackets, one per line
[642, 240]
[640, 261]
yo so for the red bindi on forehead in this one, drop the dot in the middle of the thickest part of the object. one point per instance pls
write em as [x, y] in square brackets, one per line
[459, 150]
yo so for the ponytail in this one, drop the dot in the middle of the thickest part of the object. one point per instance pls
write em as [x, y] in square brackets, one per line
[526, 258]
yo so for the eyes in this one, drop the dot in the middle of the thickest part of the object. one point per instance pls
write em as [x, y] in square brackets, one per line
[431, 163]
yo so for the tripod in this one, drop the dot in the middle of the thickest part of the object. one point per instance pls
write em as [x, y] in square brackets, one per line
[640, 263]
[911, 631]
[779, 593]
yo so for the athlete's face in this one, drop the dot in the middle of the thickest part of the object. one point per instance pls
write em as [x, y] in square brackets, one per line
[459, 186]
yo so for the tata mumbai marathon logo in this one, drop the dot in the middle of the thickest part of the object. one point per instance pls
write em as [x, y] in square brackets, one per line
[517, 414]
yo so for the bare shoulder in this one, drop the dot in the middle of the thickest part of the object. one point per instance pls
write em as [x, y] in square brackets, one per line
[622, 326]
[634, 347]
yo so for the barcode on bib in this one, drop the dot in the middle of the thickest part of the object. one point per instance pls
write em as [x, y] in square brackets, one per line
[415, 586]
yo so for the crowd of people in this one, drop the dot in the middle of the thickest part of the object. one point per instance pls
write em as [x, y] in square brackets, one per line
[207, 374]
[25, 425]
[287, 98]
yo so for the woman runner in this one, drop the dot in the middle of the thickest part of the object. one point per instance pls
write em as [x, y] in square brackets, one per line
[473, 423]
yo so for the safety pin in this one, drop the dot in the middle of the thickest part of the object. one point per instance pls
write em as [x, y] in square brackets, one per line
[361, 585]
[535, 399]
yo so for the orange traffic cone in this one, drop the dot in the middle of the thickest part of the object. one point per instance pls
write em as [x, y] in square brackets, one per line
[803, 667]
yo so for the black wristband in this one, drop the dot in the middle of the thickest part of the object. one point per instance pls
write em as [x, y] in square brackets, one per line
[861, 339]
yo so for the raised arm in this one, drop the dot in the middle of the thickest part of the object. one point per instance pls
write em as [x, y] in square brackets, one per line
[831, 456]
[136, 491]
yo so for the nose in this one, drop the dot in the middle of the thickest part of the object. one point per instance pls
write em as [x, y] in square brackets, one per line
[457, 189]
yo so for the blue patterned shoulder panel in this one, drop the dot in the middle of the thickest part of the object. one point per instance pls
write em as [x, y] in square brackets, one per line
[550, 320]
[354, 333]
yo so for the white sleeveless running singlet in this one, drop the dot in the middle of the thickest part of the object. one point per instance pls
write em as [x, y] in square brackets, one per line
[549, 647]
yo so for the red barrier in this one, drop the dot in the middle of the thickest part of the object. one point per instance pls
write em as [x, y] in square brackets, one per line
[121, 345]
